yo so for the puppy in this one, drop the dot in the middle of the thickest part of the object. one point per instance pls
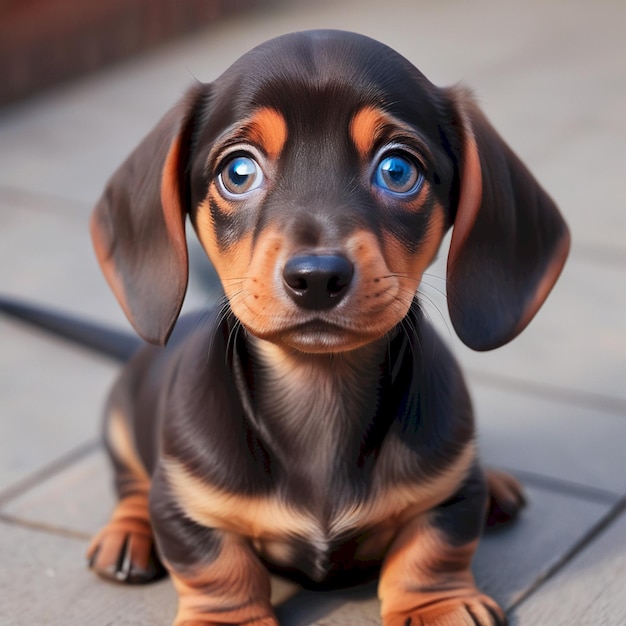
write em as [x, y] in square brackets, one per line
[314, 424]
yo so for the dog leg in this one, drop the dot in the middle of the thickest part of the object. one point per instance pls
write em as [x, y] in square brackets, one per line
[218, 576]
[426, 578]
[124, 549]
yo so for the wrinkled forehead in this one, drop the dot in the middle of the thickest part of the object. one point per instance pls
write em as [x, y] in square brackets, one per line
[327, 76]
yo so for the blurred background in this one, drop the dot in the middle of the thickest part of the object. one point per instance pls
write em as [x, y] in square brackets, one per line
[82, 82]
[46, 42]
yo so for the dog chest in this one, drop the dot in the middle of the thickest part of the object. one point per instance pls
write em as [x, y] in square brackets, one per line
[310, 538]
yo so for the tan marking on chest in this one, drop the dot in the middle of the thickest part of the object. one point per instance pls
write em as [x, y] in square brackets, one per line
[274, 518]
[252, 516]
[392, 502]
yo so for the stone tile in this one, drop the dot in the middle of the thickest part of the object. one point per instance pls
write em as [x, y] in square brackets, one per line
[581, 170]
[67, 593]
[577, 341]
[46, 257]
[588, 591]
[44, 580]
[70, 507]
[51, 397]
[67, 143]
[51, 394]
[560, 441]
[78, 500]
[350, 606]
[511, 559]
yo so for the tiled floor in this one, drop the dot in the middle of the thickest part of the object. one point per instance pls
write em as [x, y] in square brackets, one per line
[551, 406]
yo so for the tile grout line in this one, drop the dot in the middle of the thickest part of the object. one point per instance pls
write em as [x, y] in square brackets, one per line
[42, 527]
[565, 487]
[48, 471]
[616, 511]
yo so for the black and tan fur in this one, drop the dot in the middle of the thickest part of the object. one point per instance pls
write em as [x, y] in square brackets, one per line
[315, 424]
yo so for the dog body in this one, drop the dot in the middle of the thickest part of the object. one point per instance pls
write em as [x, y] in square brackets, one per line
[316, 463]
[314, 424]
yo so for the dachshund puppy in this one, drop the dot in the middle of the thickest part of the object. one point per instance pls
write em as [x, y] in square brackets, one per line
[314, 424]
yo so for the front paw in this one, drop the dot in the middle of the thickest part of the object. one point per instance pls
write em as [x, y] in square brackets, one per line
[125, 552]
[476, 610]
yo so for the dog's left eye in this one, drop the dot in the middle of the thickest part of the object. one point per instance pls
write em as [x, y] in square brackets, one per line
[240, 175]
[398, 174]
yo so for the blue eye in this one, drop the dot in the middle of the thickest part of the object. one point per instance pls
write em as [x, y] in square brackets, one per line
[240, 175]
[398, 174]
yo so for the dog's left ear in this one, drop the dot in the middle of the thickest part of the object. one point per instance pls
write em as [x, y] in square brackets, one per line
[138, 226]
[509, 241]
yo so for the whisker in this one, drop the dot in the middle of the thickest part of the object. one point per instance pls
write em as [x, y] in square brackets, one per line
[231, 342]
[203, 318]
[427, 316]
[437, 276]
[440, 291]
[224, 311]
[449, 294]
[389, 365]
[409, 330]
[411, 292]
[402, 275]
[413, 277]
[233, 280]
[424, 279]
[433, 304]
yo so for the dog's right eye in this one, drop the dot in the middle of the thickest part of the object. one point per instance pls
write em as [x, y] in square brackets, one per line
[397, 173]
[240, 175]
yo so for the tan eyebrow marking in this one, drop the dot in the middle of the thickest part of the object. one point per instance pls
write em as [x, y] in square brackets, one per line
[371, 125]
[267, 129]
[365, 128]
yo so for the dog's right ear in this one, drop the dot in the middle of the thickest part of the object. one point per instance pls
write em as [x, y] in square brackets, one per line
[509, 241]
[138, 226]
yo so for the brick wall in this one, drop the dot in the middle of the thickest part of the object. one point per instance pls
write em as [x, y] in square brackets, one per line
[45, 42]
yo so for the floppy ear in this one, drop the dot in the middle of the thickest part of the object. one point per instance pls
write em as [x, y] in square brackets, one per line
[509, 241]
[138, 226]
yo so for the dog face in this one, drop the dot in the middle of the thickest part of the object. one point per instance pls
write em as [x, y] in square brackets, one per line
[320, 196]
[321, 172]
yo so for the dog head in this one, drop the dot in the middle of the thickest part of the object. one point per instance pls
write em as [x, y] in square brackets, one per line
[321, 172]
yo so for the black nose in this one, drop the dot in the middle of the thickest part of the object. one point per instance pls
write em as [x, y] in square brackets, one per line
[317, 281]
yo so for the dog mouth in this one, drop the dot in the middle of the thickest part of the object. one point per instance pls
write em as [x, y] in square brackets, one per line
[321, 336]
[341, 329]
[318, 325]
